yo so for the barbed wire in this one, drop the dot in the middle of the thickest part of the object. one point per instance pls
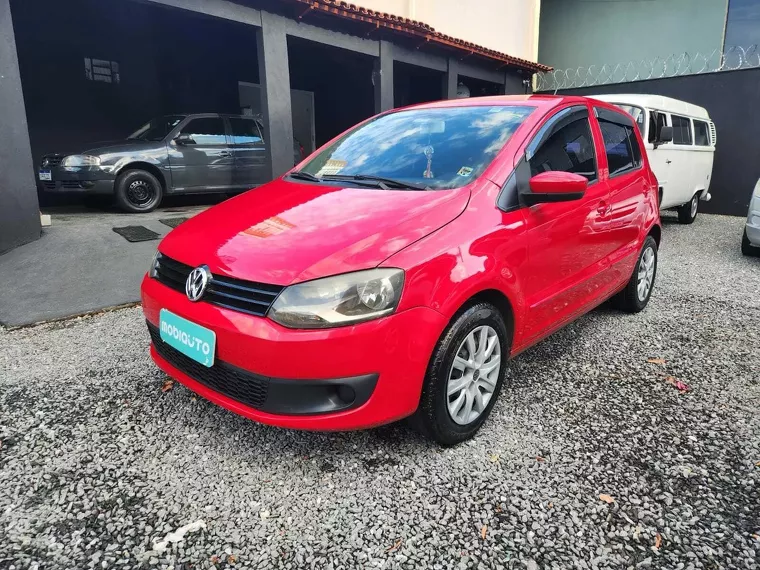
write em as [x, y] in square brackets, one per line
[673, 65]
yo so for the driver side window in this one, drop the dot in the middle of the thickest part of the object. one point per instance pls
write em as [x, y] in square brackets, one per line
[567, 145]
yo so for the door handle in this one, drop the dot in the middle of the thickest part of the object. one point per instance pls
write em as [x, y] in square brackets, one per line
[225, 153]
[602, 209]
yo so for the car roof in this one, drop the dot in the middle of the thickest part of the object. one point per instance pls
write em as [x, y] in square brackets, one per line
[542, 101]
[658, 102]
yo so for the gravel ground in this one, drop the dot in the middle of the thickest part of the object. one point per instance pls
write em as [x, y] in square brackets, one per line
[97, 464]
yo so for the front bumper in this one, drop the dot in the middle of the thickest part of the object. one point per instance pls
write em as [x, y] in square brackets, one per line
[303, 372]
[89, 180]
[753, 221]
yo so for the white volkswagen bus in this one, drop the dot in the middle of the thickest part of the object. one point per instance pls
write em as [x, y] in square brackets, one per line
[680, 141]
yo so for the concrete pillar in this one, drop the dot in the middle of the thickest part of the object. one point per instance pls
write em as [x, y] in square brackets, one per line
[274, 77]
[382, 77]
[451, 79]
[19, 208]
[513, 83]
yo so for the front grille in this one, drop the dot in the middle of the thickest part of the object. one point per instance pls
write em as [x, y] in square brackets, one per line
[236, 294]
[51, 160]
[244, 387]
[49, 185]
[71, 184]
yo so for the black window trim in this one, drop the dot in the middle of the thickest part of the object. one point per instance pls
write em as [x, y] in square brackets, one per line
[691, 129]
[189, 118]
[231, 133]
[694, 132]
[546, 129]
[623, 121]
[508, 199]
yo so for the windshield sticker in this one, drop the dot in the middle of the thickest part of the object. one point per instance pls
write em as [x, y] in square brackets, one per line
[464, 171]
[332, 166]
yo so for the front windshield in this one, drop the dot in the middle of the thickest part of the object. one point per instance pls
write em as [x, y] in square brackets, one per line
[439, 148]
[157, 129]
[638, 115]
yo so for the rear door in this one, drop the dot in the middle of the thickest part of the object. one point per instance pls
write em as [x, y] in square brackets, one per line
[204, 162]
[677, 155]
[628, 183]
[249, 151]
[566, 240]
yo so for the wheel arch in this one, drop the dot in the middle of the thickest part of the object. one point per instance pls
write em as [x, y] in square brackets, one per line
[656, 232]
[148, 167]
[496, 298]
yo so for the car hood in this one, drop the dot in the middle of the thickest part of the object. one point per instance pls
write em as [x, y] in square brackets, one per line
[286, 232]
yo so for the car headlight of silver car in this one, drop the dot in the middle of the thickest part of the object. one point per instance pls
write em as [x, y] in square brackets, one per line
[80, 160]
[340, 300]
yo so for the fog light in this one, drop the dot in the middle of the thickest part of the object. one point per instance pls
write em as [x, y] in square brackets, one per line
[346, 393]
[87, 184]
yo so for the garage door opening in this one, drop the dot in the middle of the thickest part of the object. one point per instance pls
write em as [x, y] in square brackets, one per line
[413, 84]
[473, 87]
[116, 65]
[341, 83]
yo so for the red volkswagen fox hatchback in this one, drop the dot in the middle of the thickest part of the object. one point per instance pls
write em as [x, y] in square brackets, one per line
[395, 271]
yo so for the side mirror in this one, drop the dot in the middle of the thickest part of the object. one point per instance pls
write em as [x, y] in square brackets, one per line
[665, 135]
[184, 139]
[555, 186]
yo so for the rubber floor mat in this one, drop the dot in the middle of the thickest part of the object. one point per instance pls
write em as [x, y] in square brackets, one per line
[173, 222]
[136, 233]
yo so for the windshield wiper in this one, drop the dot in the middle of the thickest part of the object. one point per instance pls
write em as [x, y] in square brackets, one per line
[301, 175]
[382, 182]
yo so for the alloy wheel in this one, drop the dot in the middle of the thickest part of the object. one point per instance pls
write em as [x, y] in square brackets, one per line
[646, 273]
[474, 375]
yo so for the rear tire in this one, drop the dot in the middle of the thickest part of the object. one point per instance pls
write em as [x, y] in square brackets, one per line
[635, 297]
[747, 248]
[688, 212]
[138, 191]
[448, 383]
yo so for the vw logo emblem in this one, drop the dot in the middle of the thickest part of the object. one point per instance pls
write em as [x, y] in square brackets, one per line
[196, 283]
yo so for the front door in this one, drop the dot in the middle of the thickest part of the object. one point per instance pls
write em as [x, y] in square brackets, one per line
[566, 241]
[200, 156]
[251, 167]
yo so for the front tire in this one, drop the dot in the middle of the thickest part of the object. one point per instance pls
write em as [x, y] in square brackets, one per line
[688, 212]
[635, 297]
[138, 191]
[465, 376]
[747, 248]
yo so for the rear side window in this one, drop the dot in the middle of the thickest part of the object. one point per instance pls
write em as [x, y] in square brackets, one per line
[681, 130]
[620, 142]
[569, 148]
[206, 131]
[701, 133]
[245, 131]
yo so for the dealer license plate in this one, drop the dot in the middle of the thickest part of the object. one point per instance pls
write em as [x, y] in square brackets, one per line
[194, 341]
[46, 175]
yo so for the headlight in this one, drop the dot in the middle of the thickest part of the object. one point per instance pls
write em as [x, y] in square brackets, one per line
[80, 160]
[340, 300]
[152, 270]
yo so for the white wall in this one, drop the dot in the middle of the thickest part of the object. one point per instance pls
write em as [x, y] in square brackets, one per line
[507, 26]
